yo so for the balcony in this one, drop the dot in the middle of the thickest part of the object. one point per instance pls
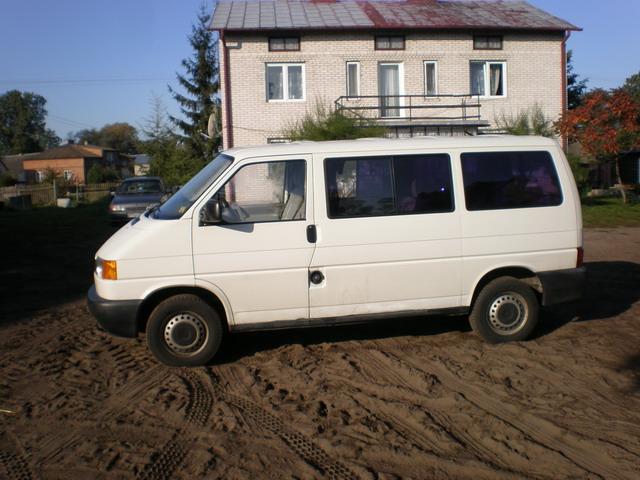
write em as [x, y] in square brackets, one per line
[410, 115]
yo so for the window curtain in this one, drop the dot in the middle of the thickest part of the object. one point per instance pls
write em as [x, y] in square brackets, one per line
[295, 82]
[274, 83]
[389, 86]
[431, 78]
[496, 80]
[477, 78]
[352, 80]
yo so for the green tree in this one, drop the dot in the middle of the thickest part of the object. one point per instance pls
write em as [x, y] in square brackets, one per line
[157, 127]
[170, 158]
[99, 174]
[576, 87]
[324, 123]
[23, 123]
[632, 86]
[201, 85]
[120, 136]
[90, 136]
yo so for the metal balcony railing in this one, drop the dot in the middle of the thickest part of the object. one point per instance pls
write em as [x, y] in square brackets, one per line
[428, 109]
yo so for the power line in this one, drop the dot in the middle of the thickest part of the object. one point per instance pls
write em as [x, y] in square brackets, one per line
[70, 122]
[83, 81]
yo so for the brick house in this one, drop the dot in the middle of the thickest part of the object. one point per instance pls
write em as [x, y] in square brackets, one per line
[418, 67]
[74, 161]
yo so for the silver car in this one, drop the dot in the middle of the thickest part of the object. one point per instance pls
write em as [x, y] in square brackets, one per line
[134, 196]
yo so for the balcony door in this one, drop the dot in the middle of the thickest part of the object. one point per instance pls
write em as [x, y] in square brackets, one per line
[390, 89]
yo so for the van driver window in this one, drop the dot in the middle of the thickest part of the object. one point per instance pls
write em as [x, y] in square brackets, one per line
[264, 192]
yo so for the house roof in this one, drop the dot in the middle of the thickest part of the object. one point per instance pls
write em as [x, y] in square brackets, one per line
[254, 15]
[70, 150]
[13, 163]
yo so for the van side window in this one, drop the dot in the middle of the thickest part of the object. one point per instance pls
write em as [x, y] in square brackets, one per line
[503, 180]
[359, 187]
[423, 183]
[265, 192]
[374, 186]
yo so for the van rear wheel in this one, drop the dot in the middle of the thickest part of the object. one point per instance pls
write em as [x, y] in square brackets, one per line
[506, 310]
[184, 331]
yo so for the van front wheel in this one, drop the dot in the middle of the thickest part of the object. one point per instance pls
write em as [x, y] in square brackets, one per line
[506, 310]
[184, 331]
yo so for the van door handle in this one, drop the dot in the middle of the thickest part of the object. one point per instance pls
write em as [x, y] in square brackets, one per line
[312, 234]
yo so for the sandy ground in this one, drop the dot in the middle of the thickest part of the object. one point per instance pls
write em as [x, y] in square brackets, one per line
[420, 398]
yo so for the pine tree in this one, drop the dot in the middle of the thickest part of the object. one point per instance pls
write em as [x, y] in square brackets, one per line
[576, 87]
[201, 85]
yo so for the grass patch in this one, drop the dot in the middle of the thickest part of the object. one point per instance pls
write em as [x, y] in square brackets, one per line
[610, 212]
[48, 255]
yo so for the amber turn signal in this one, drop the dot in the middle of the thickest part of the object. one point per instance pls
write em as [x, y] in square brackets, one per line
[107, 269]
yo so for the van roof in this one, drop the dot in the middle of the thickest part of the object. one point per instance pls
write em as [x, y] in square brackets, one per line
[373, 144]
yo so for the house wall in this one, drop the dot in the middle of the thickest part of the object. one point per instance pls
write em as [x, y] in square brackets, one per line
[76, 165]
[534, 74]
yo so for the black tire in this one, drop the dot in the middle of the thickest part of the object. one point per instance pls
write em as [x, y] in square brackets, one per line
[184, 331]
[506, 310]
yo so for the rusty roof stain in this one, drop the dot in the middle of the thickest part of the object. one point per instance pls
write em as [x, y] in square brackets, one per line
[238, 15]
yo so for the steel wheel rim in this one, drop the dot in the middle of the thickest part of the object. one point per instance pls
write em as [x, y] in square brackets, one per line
[508, 313]
[186, 334]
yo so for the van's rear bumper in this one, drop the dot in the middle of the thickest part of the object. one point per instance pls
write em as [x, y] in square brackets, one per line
[118, 317]
[560, 286]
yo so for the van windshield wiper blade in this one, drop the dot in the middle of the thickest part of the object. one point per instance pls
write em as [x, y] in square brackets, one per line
[152, 210]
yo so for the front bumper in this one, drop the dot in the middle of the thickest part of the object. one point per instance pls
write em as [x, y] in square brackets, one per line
[560, 286]
[118, 317]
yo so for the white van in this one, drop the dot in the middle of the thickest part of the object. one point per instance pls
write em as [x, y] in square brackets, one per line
[309, 233]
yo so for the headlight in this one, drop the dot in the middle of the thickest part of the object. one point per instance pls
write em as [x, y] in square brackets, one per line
[106, 269]
[117, 208]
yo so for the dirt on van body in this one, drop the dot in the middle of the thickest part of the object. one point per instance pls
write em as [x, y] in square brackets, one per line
[420, 398]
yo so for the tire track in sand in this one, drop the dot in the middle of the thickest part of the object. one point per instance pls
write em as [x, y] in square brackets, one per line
[14, 461]
[300, 444]
[446, 442]
[539, 430]
[167, 458]
[15, 466]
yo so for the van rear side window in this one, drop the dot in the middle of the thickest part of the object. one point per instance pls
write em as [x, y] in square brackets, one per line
[397, 185]
[504, 180]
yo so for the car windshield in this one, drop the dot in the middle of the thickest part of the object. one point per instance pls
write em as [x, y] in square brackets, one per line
[191, 191]
[139, 186]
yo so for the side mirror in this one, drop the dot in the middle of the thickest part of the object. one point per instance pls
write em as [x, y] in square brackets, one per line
[211, 213]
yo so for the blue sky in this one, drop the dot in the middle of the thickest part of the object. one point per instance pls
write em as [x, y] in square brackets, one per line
[99, 62]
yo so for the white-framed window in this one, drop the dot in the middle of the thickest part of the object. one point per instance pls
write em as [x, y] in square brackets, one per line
[285, 82]
[68, 174]
[353, 79]
[430, 78]
[488, 78]
[39, 176]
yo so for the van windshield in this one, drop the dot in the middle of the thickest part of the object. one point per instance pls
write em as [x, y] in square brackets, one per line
[183, 199]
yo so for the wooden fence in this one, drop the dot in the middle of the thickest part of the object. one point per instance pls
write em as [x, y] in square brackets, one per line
[23, 196]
